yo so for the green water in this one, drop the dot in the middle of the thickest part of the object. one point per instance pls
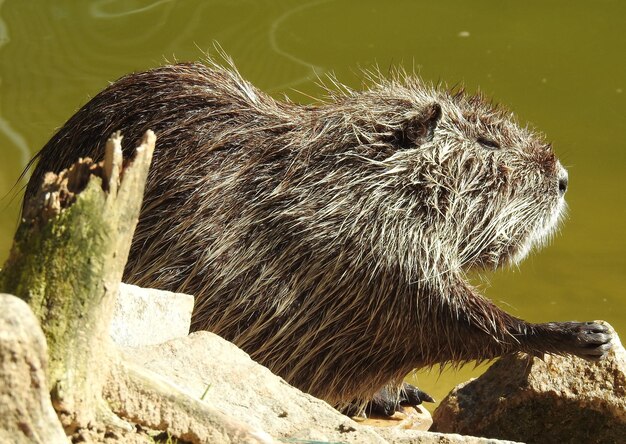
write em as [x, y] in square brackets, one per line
[559, 65]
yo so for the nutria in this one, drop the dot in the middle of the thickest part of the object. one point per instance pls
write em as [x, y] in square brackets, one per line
[331, 241]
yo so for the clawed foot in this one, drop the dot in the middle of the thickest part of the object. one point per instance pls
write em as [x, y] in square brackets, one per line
[588, 340]
[387, 402]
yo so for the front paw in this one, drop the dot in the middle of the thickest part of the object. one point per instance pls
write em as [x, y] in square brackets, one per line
[589, 340]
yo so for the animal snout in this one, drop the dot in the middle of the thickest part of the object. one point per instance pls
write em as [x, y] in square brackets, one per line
[562, 180]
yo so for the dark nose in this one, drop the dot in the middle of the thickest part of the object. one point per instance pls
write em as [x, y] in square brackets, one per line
[563, 183]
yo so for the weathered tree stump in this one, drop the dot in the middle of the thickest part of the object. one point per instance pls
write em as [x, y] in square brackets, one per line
[67, 261]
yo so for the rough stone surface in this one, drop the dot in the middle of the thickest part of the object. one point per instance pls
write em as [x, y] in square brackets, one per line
[145, 316]
[26, 413]
[208, 368]
[414, 418]
[398, 436]
[150, 401]
[555, 400]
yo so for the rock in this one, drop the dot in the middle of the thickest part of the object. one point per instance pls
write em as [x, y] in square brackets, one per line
[555, 400]
[414, 418]
[26, 413]
[153, 403]
[209, 368]
[397, 436]
[145, 316]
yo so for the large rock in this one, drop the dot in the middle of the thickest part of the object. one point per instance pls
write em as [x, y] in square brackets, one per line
[207, 367]
[153, 403]
[414, 418]
[26, 413]
[398, 436]
[146, 316]
[555, 400]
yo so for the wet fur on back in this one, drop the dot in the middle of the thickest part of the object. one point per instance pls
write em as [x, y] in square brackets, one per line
[331, 241]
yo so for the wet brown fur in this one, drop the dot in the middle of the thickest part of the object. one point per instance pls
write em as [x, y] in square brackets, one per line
[331, 241]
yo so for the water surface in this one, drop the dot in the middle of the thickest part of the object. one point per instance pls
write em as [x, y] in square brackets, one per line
[559, 65]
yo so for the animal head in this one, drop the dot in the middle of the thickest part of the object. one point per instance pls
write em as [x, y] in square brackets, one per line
[449, 176]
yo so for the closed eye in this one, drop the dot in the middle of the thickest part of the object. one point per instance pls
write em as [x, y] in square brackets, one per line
[488, 143]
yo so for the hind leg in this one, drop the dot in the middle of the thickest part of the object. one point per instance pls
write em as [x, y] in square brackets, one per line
[390, 399]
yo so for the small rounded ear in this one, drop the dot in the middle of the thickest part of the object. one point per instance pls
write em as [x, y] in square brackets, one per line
[419, 127]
